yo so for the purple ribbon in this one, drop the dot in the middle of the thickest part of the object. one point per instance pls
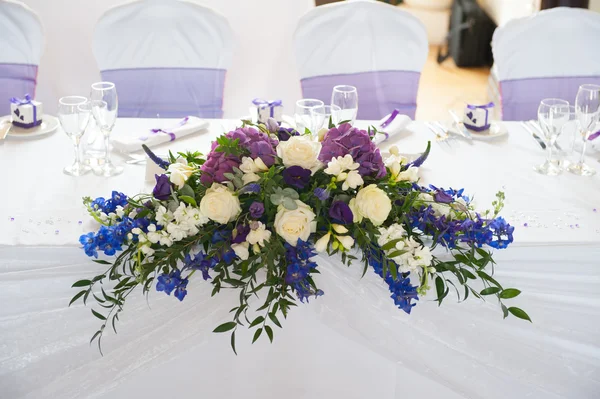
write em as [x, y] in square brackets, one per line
[594, 136]
[170, 134]
[27, 100]
[389, 120]
[271, 104]
[486, 106]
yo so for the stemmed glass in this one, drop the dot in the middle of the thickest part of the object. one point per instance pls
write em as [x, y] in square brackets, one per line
[303, 116]
[104, 107]
[345, 97]
[74, 119]
[553, 114]
[587, 109]
[321, 115]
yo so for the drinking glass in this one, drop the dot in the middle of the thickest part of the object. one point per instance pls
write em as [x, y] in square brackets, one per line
[345, 97]
[553, 114]
[569, 141]
[322, 114]
[587, 109]
[104, 107]
[74, 120]
[303, 115]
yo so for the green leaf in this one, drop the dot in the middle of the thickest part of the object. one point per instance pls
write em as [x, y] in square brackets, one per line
[289, 204]
[520, 313]
[274, 319]
[101, 262]
[95, 335]
[256, 335]
[233, 342]
[269, 331]
[187, 191]
[391, 244]
[77, 296]
[233, 282]
[230, 176]
[504, 310]
[257, 321]
[81, 283]
[396, 253]
[188, 200]
[468, 274]
[225, 327]
[440, 288]
[487, 277]
[490, 291]
[509, 293]
[98, 315]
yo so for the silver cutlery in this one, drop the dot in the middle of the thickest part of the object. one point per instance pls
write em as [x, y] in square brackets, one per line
[5, 128]
[460, 126]
[535, 136]
[440, 138]
[537, 127]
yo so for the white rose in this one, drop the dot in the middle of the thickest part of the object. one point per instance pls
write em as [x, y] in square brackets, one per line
[373, 204]
[353, 180]
[241, 250]
[219, 204]
[357, 217]
[259, 236]
[296, 224]
[321, 244]
[180, 171]
[300, 151]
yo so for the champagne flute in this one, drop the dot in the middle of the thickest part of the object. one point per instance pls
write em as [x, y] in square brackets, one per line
[104, 107]
[303, 116]
[553, 114]
[74, 120]
[322, 114]
[345, 97]
[587, 109]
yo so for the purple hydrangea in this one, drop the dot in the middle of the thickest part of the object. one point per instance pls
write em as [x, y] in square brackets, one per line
[216, 165]
[345, 139]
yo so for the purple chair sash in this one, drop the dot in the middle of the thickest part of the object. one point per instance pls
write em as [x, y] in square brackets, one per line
[379, 92]
[520, 98]
[170, 92]
[16, 80]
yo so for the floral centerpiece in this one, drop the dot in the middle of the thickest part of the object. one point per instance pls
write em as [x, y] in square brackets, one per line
[253, 214]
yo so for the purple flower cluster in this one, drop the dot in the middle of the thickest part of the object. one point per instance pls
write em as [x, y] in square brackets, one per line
[345, 139]
[172, 282]
[218, 163]
[299, 266]
[402, 292]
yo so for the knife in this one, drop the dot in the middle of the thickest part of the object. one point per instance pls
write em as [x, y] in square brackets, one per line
[539, 130]
[5, 128]
[461, 128]
[535, 136]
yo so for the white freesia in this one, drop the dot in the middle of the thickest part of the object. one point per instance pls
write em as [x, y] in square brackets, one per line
[241, 250]
[411, 174]
[353, 180]
[373, 203]
[339, 228]
[321, 134]
[295, 224]
[220, 204]
[248, 178]
[337, 165]
[321, 244]
[300, 151]
[259, 236]
[250, 165]
[180, 172]
[346, 241]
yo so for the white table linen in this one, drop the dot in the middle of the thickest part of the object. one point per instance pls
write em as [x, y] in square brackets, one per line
[349, 343]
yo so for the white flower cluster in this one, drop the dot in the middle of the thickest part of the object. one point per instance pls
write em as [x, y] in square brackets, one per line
[395, 163]
[257, 238]
[345, 242]
[176, 226]
[250, 167]
[345, 169]
[414, 257]
[112, 217]
[180, 172]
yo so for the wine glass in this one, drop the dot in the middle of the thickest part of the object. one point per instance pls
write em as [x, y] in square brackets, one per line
[303, 115]
[587, 109]
[345, 97]
[322, 114]
[553, 114]
[74, 120]
[104, 107]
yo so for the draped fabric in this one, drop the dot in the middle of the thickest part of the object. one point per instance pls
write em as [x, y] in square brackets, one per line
[378, 48]
[169, 92]
[379, 92]
[167, 57]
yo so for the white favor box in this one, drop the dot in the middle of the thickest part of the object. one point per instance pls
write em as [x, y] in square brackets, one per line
[26, 115]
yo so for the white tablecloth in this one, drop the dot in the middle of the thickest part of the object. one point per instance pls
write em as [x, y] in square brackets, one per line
[349, 343]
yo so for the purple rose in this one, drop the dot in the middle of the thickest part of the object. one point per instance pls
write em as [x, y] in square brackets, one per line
[242, 233]
[340, 213]
[442, 197]
[256, 210]
[296, 176]
[162, 190]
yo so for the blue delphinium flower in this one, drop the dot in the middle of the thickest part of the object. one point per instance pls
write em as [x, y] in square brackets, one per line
[298, 270]
[200, 262]
[321, 193]
[98, 204]
[168, 282]
[181, 291]
[89, 244]
[502, 232]
[220, 236]
[119, 199]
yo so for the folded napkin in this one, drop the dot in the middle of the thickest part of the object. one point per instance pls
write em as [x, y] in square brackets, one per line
[391, 125]
[153, 137]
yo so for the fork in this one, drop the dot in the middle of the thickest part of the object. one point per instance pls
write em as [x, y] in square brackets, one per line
[438, 137]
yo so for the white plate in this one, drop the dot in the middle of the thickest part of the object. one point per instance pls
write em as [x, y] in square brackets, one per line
[49, 125]
[496, 130]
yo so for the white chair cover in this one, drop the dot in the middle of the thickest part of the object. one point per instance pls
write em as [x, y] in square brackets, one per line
[21, 47]
[167, 57]
[378, 48]
[546, 55]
